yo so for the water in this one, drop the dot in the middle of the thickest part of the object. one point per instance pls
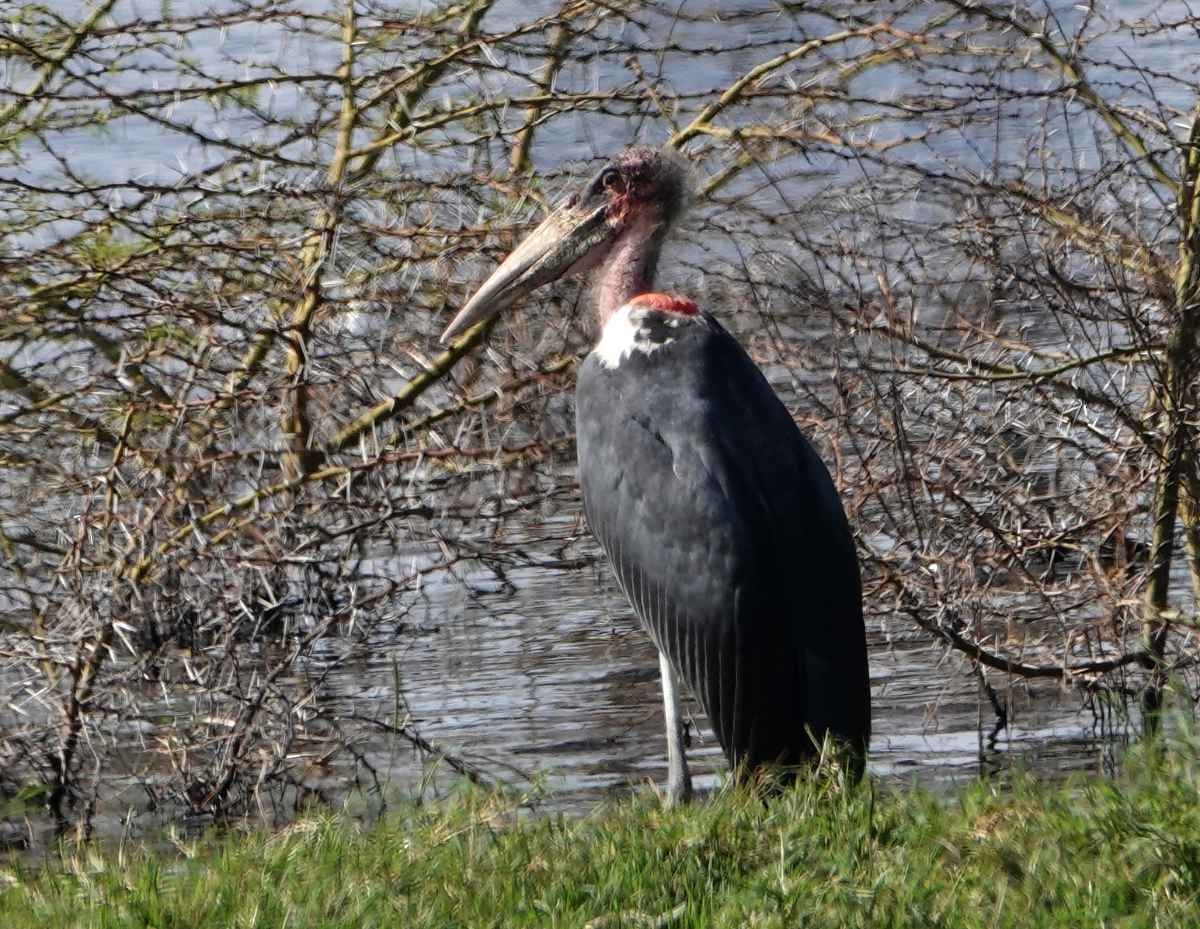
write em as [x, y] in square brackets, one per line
[556, 683]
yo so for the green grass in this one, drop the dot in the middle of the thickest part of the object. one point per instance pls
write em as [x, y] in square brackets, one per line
[1089, 853]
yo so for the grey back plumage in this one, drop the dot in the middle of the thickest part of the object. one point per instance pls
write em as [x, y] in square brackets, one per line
[726, 534]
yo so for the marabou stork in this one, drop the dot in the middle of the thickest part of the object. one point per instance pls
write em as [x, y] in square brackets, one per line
[721, 522]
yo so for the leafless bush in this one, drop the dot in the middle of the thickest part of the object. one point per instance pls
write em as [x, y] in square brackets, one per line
[961, 239]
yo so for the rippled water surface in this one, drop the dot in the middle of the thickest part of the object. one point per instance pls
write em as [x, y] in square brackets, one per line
[556, 683]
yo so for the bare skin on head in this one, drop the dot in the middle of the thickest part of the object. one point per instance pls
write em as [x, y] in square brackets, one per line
[616, 223]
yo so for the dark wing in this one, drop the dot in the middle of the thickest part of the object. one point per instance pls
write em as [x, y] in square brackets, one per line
[727, 535]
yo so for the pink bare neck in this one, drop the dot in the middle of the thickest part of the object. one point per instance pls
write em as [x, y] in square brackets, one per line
[630, 266]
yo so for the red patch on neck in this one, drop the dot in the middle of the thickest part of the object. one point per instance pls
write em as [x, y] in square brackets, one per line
[668, 303]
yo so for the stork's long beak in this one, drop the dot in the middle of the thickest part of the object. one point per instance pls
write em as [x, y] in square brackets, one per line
[554, 248]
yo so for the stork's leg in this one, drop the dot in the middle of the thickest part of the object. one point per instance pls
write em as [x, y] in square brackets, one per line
[679, 780]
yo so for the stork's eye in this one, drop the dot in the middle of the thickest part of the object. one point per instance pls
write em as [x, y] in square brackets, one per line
[610, 179]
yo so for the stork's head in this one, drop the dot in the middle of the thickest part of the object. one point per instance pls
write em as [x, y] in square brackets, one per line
[642, 189]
